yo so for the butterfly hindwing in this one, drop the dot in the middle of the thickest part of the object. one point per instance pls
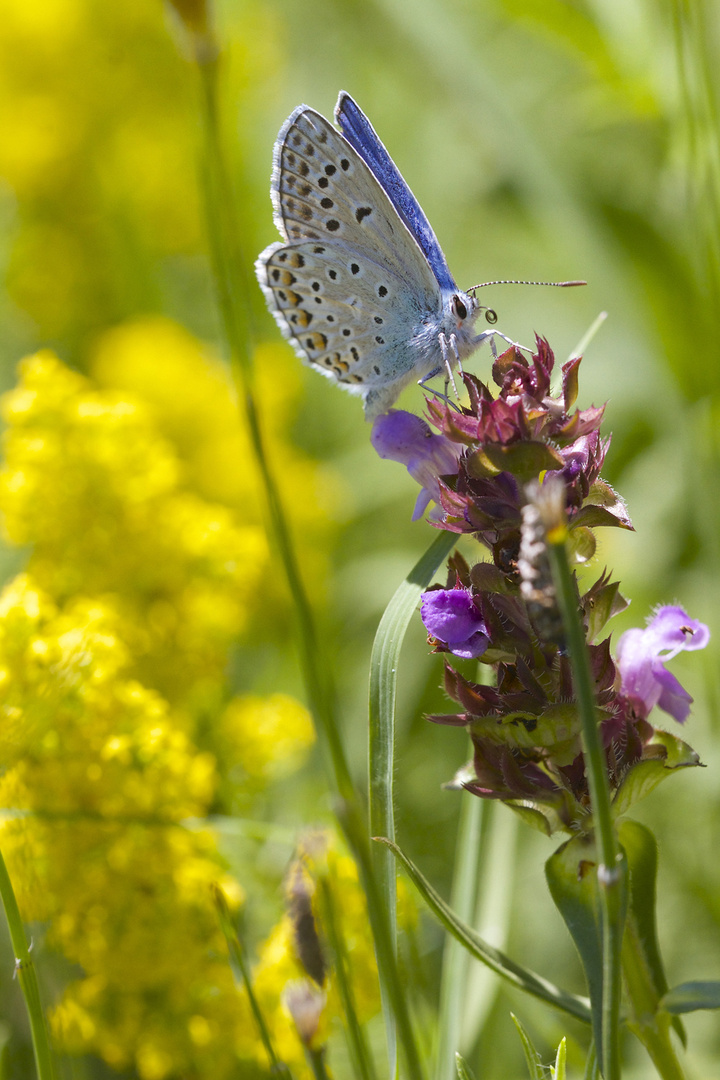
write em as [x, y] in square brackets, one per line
[342, 313]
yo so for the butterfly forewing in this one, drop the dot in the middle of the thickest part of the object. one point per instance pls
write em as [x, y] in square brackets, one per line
[322, 189]
[351, 286]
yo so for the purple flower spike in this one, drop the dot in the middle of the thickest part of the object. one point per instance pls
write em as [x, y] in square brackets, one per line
[641, 655]
[404, 437]
[451, 616]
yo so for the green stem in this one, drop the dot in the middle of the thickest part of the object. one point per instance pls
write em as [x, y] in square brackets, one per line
[362, 1058]
[381, 731]
[232, 283]
[454, 981]
[27, 977]
[241, 972]
[611, 873]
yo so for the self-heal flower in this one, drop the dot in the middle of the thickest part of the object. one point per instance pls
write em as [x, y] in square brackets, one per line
[450, 616]
[404, 437]
[641, 656]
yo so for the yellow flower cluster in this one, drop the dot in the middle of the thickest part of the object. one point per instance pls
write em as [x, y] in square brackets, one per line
[100, 151]
[116, 721]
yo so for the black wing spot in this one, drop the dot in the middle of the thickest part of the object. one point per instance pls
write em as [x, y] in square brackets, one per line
[382, 291]
[376, 369]
[327, 203]
[315, 286]
[323, 182]
[319, 250]
[380, 340]
[378, 320]
[330, 318]
[363, 212]
[354, 268]
[355, 354]
[318, 299]
[330, 170]
[332, 225]
[346, 332]
[332, 274]
[344, 164]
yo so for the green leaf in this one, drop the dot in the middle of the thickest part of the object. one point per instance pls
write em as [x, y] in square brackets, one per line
[690, 996]
[560, 1060]
[383, 685]
[672, 754]
[572, 878]
[519, 976]
[641, 940]
[532, 1058]
[463, 1069]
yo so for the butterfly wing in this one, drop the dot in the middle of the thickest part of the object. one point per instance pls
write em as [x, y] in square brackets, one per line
[351, 288]
[361, 135]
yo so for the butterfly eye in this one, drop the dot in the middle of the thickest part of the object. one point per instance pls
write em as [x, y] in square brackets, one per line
[458, 308]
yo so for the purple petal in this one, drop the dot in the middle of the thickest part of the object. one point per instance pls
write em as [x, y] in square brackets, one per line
[407, 438]
[451, 616]
[641, 655]
[673, 698]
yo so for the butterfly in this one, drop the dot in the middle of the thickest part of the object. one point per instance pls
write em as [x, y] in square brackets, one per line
[359, 283]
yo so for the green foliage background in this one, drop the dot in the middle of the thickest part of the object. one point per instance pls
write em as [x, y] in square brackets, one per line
[544, 140]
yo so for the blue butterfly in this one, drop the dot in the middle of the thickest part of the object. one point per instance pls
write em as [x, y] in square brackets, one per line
[359, 283]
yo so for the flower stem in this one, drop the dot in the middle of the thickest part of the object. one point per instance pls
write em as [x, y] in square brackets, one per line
[612, 872]
[232, 283]
[27, 977]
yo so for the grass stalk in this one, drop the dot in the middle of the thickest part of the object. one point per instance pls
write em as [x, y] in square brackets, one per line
[27, 977]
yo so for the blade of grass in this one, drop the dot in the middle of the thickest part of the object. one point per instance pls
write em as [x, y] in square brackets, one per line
[453, 983]
[382, 694]
[27, 977]
[519, 976]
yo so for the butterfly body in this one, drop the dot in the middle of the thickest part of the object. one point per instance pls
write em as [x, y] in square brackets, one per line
[359, 285]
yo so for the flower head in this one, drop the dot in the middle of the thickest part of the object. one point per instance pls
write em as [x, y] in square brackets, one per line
[641, 656]
[518, 471]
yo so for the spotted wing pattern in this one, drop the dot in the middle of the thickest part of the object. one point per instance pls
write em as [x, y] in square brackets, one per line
[349, 287]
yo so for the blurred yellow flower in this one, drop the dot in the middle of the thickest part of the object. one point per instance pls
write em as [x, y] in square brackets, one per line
[114, 652]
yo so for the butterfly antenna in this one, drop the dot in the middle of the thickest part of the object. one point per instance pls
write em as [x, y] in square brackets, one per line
[555, 284]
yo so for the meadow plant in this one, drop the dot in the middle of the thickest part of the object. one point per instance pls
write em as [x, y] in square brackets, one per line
[560, 724]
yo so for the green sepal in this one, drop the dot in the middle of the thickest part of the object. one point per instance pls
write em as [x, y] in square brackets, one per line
[600, 603]
[525, 460]
[691, 996]
[669, 754]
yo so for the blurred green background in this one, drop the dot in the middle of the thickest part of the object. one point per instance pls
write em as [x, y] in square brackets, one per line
[545, 140]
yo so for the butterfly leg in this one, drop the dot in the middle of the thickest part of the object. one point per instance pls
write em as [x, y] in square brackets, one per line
[490, 335]
[445, 348]
[443, 397]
